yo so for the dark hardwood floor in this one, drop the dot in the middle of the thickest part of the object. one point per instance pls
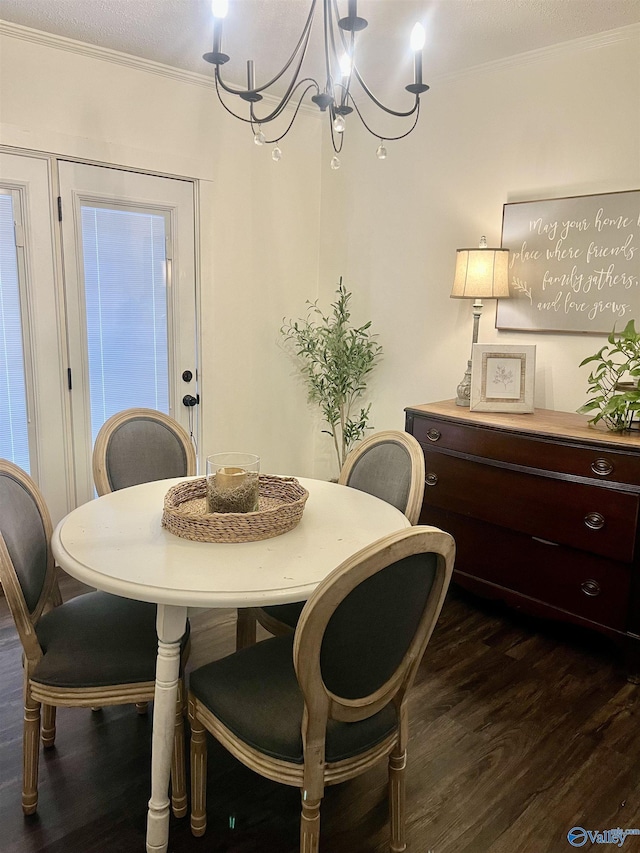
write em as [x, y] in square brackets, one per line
[520, 730]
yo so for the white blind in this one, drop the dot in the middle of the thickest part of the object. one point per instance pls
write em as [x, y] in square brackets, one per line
[14, 439]
[125, 287]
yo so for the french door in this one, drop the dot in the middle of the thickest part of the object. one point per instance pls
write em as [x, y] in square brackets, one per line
[33, 405]
[97, 310]
[128, 245]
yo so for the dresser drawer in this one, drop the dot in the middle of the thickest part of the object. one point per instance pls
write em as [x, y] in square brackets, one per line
[600, 463]
[589, 517]
[587, 586]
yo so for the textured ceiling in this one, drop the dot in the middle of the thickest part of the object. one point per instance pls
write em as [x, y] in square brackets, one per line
[460, 33]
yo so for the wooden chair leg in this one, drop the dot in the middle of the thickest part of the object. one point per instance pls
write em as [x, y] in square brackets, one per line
[142, 708]
[178, 771]
[48, 730]
[310, 825]
[198, 774]
[397, 765]
[245, 628]
[30, 754]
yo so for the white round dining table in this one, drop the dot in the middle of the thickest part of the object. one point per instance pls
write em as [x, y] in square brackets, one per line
[116, 543]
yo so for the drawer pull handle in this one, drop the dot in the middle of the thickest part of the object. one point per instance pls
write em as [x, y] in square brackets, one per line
[602, 467]
[433, 434]
[590, 587]
[431, 479]
[544, 541]
[594, 520]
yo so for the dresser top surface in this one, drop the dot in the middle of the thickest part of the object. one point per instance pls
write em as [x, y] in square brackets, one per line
[542, 422]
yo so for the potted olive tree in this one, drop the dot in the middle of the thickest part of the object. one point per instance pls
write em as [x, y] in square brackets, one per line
[335, 361]
[613, 381]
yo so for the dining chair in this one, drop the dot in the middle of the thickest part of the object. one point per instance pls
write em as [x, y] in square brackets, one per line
[94, 650]
[139, 446]
[390, 465]
[330, 701]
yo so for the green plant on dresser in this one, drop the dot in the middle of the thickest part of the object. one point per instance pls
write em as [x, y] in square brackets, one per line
[613, 381]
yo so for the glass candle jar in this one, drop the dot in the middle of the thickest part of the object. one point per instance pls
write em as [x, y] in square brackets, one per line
[232, 482]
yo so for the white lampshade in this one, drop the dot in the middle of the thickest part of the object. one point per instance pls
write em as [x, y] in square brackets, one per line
[481, 274]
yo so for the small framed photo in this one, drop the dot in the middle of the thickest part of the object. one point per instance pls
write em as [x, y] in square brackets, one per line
[502, 378]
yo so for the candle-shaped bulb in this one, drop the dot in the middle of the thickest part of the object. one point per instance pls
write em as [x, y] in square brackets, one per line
[219, 8]
[417, 37]
[345, 65]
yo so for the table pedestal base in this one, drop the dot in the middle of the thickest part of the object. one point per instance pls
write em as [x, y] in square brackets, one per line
[171, 623]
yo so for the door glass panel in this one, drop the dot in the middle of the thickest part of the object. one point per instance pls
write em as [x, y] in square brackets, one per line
[14, 438]
[124, 254]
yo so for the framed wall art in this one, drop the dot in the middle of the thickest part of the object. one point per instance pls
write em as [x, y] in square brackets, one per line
[574, 263]
[502, 378]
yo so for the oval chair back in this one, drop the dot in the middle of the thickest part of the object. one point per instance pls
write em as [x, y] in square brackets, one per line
[389, 465]
[140, 446]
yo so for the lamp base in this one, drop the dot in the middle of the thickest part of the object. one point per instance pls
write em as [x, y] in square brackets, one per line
[464, 388]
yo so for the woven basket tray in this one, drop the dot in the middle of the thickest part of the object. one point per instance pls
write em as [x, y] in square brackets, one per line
[281, 504]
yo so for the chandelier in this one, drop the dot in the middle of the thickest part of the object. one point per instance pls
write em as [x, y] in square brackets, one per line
[333, 96]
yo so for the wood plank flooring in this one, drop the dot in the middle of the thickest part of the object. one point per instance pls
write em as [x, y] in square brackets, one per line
[520, 730]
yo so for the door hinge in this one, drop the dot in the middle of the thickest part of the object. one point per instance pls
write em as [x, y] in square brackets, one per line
[18, 235]
[59, 208]
[69, 378]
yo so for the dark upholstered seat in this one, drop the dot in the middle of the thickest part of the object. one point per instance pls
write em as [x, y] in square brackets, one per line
[329, 702]
[81, 648]
[140, 446]
[273, 724]
[389, 465]
[96, 649]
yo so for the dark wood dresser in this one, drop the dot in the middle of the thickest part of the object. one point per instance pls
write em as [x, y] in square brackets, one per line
[544, 511]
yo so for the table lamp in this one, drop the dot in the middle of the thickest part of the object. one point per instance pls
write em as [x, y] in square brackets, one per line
[481, 273]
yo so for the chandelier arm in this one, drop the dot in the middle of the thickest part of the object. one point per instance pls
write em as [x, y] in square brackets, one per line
[253, 119]
[378, 103]
[228, 109]
[382, 136]
[303, 43]
[290, 125]
[284, 103]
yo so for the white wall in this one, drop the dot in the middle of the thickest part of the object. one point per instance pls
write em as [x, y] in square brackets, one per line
[565, 121]
[258, 245]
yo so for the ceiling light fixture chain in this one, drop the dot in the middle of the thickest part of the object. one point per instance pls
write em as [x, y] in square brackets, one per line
[334, 98]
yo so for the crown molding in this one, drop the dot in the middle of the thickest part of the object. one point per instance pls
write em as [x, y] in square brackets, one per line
[93, 51]
[574, 46]
[554, 51]
[116, 57]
